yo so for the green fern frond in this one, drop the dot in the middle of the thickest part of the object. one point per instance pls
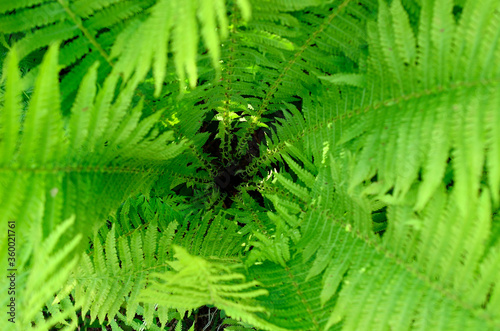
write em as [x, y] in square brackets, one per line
[160, 27]
[435, 108]
[308, 58]
[51, 176]
[293, 301]
[337, 236]
[148, 23]
[50, 267]
[114, 274]
[122, 258]
[196, 282]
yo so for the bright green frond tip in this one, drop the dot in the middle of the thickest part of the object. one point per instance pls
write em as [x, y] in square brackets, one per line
[195, 282]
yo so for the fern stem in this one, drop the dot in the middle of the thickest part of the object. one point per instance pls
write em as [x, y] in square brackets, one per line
[225, 144]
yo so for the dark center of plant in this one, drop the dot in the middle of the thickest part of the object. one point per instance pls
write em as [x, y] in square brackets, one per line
[229, 176]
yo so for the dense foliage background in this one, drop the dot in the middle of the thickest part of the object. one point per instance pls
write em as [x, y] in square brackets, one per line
[250, 164]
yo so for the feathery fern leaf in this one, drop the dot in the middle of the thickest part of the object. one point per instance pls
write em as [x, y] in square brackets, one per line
[80, 24]
[195, 282]
[360, 268]
[98, 153]
[436, 112]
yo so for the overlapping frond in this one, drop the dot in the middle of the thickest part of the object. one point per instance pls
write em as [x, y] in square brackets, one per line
[195, 282]
[115, 271]
[122, 258]
[51, 266]
[124, 35]
[55, 168]
[412, 110]
[410, 273]
[145, 44]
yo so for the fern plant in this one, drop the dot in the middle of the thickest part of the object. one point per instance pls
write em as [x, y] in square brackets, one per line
[250, 164]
